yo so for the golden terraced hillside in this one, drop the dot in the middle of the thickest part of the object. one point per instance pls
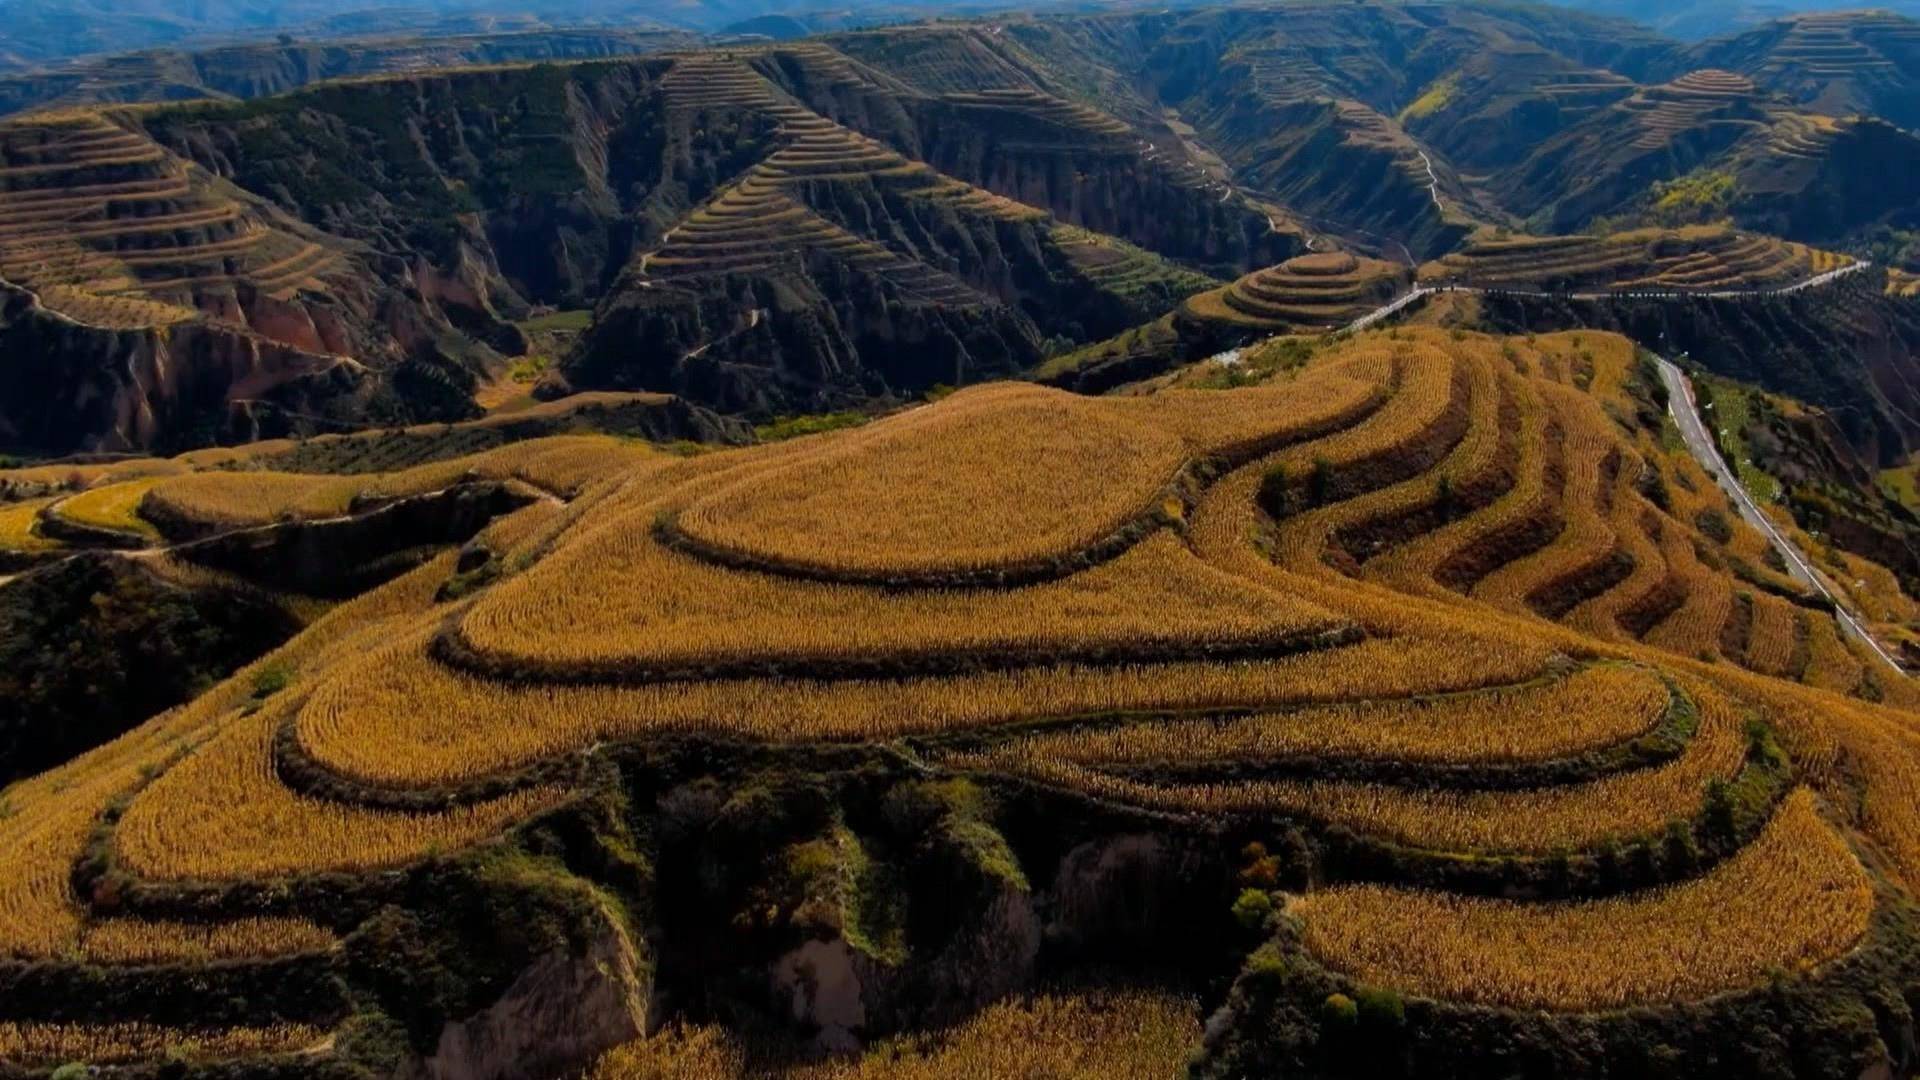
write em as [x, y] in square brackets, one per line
[1701, 258]
[1431, 613]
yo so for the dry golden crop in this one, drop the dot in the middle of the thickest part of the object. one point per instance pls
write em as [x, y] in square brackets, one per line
[1091, 1035]
[1776, 642]
[16, 527]
[1599, 615]
[1830, 664]
[113, 1044]
[139, 941]
[1588, 535]
[251, 498]
[397, 717]
[1229, 531]
[998, 476]
[1794, 899]
[1695, 257]
[1431, 388]
[223, 814]
[114, 506]
[77, 477]
[1412, 565]
[1232, 426]
[240, 498]
[1620, 806]
[1155, 599]
[1596, 707]
[1693, 629]
[51, 816]
[1304, 538]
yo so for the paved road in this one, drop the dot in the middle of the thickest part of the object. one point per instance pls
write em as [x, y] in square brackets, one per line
[1692, 431]
[1385, 310]
[1419, 291]
[1686, 414]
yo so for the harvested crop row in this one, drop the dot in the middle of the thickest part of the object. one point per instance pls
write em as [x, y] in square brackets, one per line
[1593, 708]
[52, 815]
[398, 718]
[1794, 899]
[111, 1044]
[1620, 806]
[140, 941]
[1154, 600]
[222, 814]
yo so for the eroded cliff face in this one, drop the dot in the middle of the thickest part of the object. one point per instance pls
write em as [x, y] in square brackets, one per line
[562, 1011]
[845, 995]
[69, 386]
[825, 338]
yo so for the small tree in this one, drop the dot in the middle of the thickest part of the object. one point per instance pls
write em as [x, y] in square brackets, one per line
[1321, 484]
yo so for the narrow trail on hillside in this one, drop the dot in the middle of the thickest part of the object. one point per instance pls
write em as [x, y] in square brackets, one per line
[1433, 181]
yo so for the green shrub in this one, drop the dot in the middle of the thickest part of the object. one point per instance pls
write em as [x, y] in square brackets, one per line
[1339, 1013]
[1380, 1007]
[1252, 907]
[270, 680]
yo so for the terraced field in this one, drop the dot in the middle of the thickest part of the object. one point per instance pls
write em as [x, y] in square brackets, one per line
[1705, 258]
[763, 221]
[112, 231]
[1415, 614]
[1835, 64]
[1663, 111]
[1307, 292]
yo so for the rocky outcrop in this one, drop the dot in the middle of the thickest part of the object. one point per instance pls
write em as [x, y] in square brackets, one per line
[559, 1014]
[846, 995]
[71, 386]
[341, 557]
[794, 342]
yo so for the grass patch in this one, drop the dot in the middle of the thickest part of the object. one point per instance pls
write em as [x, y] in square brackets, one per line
[561, 322]
[1437, 96]
[1699, 196]
[792, 427]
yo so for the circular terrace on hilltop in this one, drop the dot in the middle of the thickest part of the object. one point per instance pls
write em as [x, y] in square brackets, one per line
[995, 480]
[1319, 290]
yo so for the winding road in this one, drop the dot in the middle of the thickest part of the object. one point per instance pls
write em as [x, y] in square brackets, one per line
[1694, 432]
[1433, 181]
[1420, 291]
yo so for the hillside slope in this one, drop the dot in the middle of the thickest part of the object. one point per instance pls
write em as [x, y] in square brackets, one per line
[1429, 636]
